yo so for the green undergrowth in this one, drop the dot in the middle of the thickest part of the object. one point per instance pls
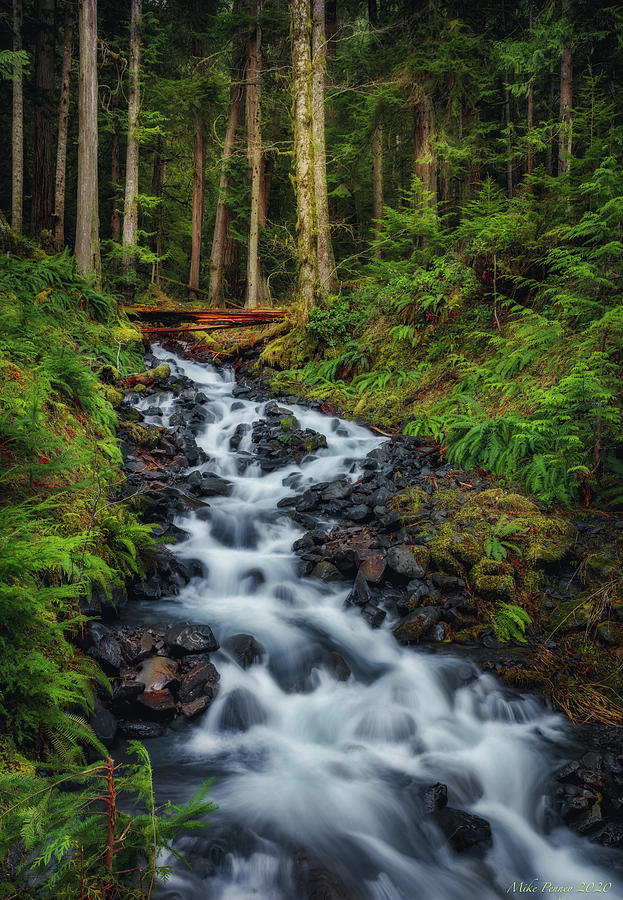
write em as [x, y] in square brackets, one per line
[63, 534]
[501, 339]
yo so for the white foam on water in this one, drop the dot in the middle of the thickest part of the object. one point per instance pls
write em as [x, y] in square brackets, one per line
[336, 767]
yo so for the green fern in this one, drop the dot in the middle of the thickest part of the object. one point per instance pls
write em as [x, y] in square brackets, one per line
[510, 622]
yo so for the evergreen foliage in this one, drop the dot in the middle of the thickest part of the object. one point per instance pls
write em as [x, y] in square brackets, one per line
[75, 838]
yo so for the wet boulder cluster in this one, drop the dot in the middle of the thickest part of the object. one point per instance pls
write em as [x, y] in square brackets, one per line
[589, 789]
[388, 560]
[277, 440]
[158, 672]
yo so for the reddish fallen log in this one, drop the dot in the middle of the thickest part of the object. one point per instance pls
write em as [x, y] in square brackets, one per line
[162, 329]
[208, 318]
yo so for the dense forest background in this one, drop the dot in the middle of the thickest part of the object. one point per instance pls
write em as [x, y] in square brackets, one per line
[433, 190]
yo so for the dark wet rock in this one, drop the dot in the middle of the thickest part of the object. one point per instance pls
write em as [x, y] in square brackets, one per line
[339, 666]
[213, 486]
[278, 442]
[158, 704]
[125, 693]
[415, 626]
[373, 615]
[403, 562]
[358, 513]
[435, 797]
[326, 571]
[195, 707]
[274, 411]
[386, 519]
[373, 568]
[315, 882]
[239, 433]
[447, 583]
[106, 648]
[590, 793]
[463, 830]
[104, 724]
[360, 594]
[241, 711]
[201, 680]
[140, 730]
[186, 638]
[244, 648]
[338, 490]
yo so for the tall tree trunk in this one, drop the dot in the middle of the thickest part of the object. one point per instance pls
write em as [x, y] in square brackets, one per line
[326, 260]
[509, 142]
[157, 189]
[197, 207]
[566, 102]
[307, 282]
[530, 160]
[425, 162]
[254, 155]
[372, 13]
[130, 205]
[17, 126]
[43, 176]
[549, 150]
[87, 213]
[221, 222]
[198, 157]
[63, 120]
[115, 169]
[377, 181]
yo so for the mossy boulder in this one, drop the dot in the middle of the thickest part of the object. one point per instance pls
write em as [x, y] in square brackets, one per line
[455, 549]
[409, 503]
[109, 374]
[549, 538]
[113, 395]
[495, 502]
[142, 435]
[494, 579]
[150, 378]
[127, 334]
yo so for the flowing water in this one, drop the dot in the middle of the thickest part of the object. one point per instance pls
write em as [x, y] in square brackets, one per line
[304, 762]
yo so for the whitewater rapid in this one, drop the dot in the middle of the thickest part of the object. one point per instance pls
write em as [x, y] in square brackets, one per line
[305, 763]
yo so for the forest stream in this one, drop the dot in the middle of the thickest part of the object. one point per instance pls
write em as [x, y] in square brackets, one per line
[331, 746]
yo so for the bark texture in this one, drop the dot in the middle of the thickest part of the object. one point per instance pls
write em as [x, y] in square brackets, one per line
[115, 169]
[423, 132]
[254, 155]
[326, 260]
[130, 205]
[197, 208]
[63, 121]
[43, 180]
[17, 126]
[565, 144]
[157, 190]
[303, 153]
[198, 163]
[87, 213]
[377, 180]
[218, 256]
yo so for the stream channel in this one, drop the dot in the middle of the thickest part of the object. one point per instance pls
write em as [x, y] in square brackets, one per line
[327, 776]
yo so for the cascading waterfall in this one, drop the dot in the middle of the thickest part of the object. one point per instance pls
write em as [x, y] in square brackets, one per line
[304, 762]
